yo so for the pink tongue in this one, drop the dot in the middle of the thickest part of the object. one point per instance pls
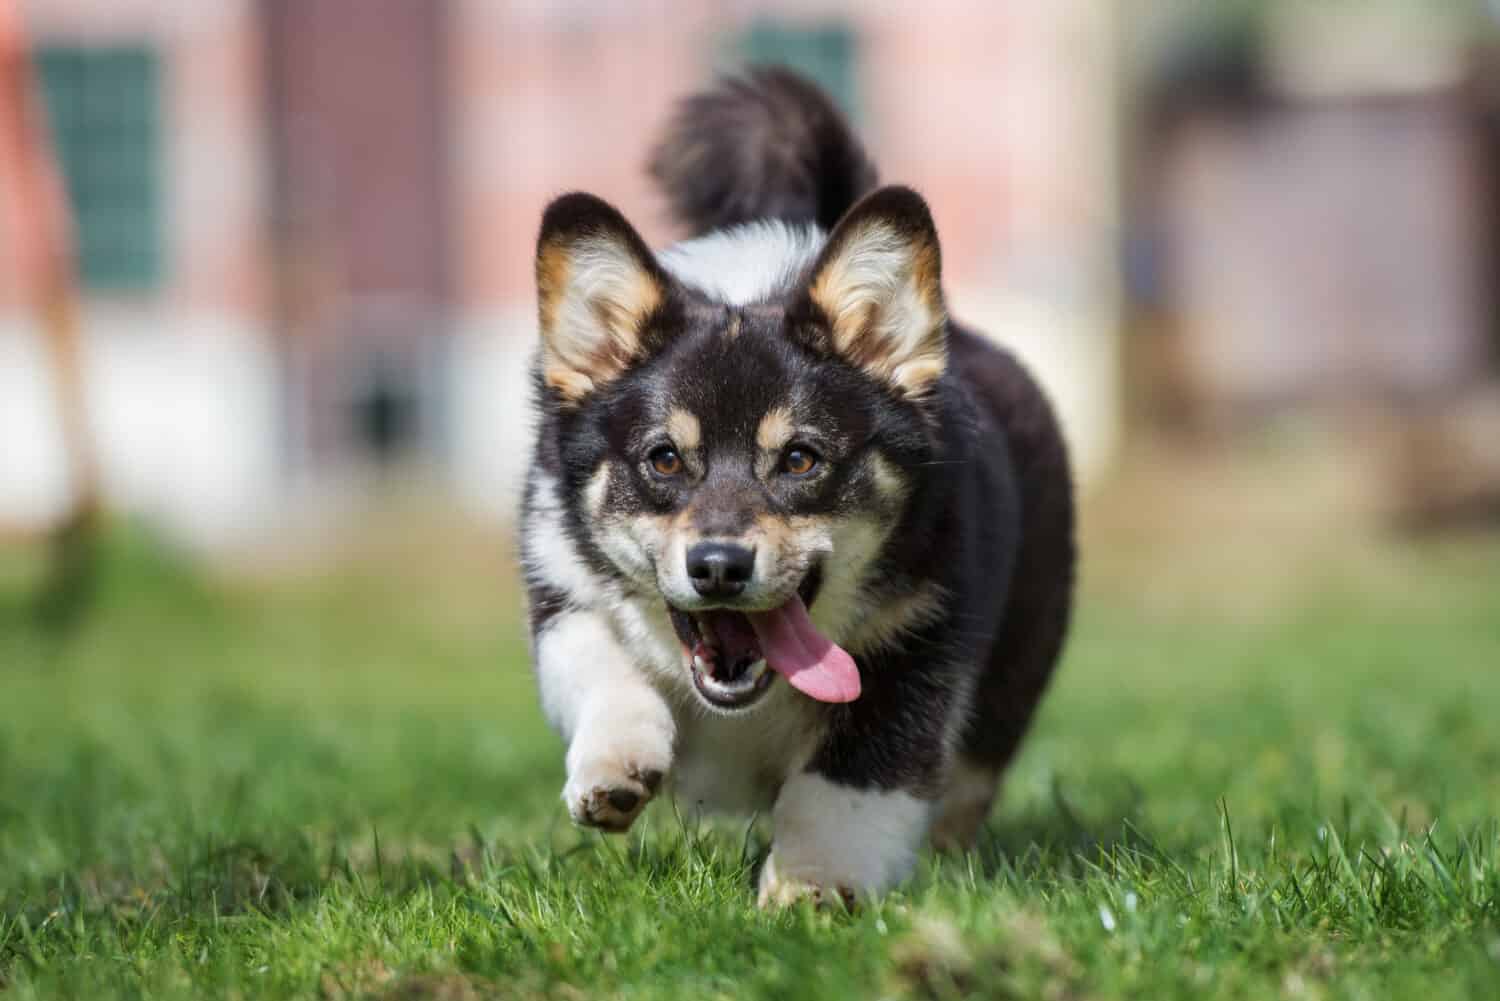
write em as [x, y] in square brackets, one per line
[810, 661]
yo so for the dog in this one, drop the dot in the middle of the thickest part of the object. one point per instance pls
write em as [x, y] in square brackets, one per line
[793, 539]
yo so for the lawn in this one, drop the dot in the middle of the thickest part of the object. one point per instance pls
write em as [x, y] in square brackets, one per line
[335, 783]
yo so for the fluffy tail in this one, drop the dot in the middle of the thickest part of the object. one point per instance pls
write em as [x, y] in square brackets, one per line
[770, 145]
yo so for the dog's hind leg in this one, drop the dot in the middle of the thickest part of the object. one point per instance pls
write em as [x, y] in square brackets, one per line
[970, 792]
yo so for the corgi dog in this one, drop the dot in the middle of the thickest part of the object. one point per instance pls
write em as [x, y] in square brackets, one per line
[794, 540]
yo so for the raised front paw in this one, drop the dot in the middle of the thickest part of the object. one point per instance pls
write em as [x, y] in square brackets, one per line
[610, 797]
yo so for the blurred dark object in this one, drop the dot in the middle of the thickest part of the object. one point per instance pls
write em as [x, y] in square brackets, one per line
[36, 209]
[386, 408]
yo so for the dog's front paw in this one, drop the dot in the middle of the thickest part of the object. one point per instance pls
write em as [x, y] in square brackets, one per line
[616, 762]
[610, 797]
[778, 889]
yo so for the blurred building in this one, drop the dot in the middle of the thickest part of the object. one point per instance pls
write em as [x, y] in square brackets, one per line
[306, 226]
[1316, 200]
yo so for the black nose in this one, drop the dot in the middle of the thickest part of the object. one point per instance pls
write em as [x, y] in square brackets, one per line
[720, 569]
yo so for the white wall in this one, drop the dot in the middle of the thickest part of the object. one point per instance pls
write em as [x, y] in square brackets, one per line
[184, 417]
[489, 408]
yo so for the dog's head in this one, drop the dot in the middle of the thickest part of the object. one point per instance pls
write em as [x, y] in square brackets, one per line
[742, 459]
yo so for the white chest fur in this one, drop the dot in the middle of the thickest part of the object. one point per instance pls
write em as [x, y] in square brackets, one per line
[738, 763]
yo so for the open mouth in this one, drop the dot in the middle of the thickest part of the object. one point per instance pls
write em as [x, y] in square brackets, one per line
[729, 669]
[735, 656]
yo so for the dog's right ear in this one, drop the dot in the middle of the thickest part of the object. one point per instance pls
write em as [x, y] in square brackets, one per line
[597, 285]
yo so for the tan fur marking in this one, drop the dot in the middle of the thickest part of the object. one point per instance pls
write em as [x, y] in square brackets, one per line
[789, 541]
[551, 282]
[774, 530]
[571, 385]
[733, 329]
[646, 297]
[925, 272]
[597, 490]
[877, 285]
[889, 483]
[841, 290]
[686, 431]
[775, 430]
[592, 298]
[886, 625]
[917, 377]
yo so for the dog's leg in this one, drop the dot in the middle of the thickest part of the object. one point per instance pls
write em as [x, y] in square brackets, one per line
[832, 839]
[618, 727]
[970, 792]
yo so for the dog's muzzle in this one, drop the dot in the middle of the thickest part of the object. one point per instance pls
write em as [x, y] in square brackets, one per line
[722, 645]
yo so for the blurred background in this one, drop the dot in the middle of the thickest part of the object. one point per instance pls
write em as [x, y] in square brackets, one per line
[1249, 247]
[266, 310]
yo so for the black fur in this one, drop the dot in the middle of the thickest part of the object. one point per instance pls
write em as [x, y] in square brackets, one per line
[1034, 614]
[544, 603]
[768, 146]
[992, 521]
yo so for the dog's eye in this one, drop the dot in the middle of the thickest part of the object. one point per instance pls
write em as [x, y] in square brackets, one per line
[799, 461]
[665, 461]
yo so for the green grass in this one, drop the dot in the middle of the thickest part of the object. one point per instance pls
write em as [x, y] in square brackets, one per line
[340, 786]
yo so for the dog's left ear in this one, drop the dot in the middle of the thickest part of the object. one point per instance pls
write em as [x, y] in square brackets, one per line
[598, 285]
[878, 285]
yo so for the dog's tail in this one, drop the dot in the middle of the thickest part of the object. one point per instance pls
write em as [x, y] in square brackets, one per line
[769, 145]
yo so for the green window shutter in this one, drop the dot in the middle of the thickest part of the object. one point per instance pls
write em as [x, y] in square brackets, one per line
[826, 52]
[104, 107]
